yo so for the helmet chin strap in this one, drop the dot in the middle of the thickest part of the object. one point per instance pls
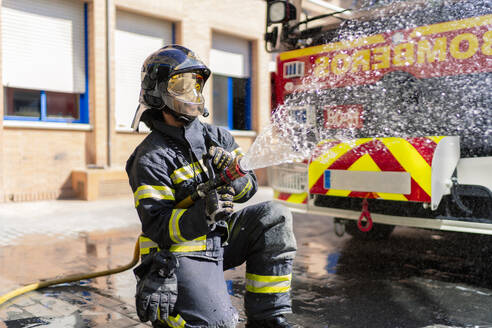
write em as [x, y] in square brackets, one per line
[187, 119]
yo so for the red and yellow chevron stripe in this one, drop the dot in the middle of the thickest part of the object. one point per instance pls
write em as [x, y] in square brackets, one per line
[412, 155]
[291, 197]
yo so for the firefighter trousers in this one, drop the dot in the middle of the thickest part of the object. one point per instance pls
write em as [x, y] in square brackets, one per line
[260, 235]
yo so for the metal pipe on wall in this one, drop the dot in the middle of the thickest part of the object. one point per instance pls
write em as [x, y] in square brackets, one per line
[108, 80]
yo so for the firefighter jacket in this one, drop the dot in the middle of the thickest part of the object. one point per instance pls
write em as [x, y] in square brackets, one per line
[166, 168]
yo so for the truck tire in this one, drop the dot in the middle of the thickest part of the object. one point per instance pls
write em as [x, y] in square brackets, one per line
[378, 232]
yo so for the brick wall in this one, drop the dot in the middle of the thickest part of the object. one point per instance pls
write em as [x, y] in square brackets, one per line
[37, 163]
[2, 172]
[243, 19]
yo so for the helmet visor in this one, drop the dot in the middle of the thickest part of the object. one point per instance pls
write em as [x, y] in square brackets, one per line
[186, 87]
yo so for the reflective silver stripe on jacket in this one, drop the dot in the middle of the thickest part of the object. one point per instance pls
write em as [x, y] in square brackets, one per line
[146, 244]
[197, 244]
[245, 190]
[156, 192]
[267, 284]
[188, 172]
[174, 231]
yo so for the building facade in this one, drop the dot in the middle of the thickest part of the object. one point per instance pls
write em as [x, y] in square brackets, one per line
[71, 79]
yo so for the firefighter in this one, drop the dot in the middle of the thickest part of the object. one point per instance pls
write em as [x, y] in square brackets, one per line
[180, 281]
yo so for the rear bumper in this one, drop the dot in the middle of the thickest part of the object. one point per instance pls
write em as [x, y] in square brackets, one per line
[406, 221]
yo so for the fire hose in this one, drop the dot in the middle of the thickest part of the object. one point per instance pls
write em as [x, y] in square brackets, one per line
[75, 277]
[233, 172]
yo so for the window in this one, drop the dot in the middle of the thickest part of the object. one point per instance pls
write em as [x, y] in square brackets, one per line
[221, 99]
[55, 58]
[230, 61]
[62, 105]
[231, 101]
[34, 105]
[25, 103]
[136, 37]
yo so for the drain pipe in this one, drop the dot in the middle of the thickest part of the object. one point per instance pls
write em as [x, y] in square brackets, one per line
[108, 80]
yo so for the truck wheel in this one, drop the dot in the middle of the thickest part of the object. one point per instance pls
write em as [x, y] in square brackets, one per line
[378, 232]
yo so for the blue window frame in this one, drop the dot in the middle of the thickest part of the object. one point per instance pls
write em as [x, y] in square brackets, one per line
[44, 106]
[232, 100]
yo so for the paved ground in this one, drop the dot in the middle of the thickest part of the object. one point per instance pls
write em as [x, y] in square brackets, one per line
[415, 279]
[49, 239]
[63, 218]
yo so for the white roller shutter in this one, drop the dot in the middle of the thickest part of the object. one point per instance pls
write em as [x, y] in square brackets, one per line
[43, 45]
[230, 56]
[136, 37]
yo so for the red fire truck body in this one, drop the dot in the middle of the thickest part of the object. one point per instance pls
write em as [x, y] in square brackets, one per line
[417, 101]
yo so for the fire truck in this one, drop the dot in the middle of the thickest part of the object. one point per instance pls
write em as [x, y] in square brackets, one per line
[411, 82]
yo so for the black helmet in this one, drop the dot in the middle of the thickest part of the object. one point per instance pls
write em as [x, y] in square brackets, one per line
[172, 79]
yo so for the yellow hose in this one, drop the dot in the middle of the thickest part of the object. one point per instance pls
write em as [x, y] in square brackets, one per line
[75, 277]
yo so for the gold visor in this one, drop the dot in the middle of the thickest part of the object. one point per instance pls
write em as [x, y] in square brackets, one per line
[186, 87]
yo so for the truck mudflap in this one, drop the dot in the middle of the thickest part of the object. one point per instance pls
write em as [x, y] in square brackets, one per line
[397, 169]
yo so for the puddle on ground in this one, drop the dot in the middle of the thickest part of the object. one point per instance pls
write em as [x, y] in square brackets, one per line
[85, 303]
[38, 257]
[417, 278]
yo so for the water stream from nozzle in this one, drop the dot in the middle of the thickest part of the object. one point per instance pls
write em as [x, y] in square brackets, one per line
[284, 140]
[340, 101]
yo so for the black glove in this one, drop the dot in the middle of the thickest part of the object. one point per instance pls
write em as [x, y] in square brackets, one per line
[221, 158]
[218, 204]
[157, 290]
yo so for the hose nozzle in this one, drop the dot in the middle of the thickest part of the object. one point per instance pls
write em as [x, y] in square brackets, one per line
[233, 172]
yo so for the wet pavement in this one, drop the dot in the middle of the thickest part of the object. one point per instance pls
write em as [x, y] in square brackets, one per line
[416, 278]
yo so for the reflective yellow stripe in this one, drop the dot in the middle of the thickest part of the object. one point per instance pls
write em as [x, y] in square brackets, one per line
[339, 193]
[267, 284]
[452, 26]
[188, 172]
[436, 139]
[335, 46]
[388, 196]
[197, 244]
[297, 198]
[174, 231]
[318, 167]
[156, 192]
[411, 161]
[293, 197]
[146, 244]
[243, 192]
[366, 163]
[176, 322]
